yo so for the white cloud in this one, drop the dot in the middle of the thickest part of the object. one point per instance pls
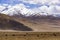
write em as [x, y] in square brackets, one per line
[52, 9]
[5, 5]
[44, 9]
[41, 1]
[33, 1]
[1, 8]
[22, 9]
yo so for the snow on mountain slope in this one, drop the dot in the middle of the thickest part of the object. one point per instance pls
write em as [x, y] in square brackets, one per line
[10, 10]
[21, 8]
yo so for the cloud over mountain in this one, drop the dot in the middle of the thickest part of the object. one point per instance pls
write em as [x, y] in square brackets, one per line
[51, 7]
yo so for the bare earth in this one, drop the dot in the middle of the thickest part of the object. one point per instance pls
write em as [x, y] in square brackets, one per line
[41, 26]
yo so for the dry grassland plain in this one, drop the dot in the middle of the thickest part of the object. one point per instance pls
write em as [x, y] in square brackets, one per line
[29, 35]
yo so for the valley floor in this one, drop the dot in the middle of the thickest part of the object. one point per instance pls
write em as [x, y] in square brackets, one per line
[29, 35]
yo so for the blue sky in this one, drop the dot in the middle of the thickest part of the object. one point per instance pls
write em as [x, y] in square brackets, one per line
[31, 5]
[14, 2]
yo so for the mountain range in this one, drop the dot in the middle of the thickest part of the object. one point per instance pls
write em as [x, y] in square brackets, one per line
[24, 11]
[30, 23]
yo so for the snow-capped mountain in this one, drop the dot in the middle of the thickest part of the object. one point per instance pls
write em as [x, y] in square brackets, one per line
[21, 9]
[18, 9]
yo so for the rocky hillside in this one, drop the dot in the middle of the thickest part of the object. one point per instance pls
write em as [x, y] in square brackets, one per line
[41, 23]
[9, 23]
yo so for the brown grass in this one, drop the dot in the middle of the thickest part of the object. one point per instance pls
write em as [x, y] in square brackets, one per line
[29, 35]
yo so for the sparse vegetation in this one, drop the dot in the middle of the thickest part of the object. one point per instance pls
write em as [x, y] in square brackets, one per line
[29, 35]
